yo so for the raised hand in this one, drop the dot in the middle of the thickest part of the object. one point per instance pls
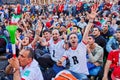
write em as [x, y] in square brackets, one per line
[94, 9]
[39, 26]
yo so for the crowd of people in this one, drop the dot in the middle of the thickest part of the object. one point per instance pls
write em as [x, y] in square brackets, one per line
[82, 37]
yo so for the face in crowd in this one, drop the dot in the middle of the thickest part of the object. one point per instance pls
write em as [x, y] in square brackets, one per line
[96, 32]
[25, 41]
[24, 58]
[105, 28]
[74, 30]
[91, 40]
[117, 35]
[73, 39]
[47, 35]
[55, 35]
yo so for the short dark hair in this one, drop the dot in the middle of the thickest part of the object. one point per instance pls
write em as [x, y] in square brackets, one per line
[20, 30]
[71, 34]
[91, 36]
[31, 52]
[75, 26]
[99, 29]
[46, 30]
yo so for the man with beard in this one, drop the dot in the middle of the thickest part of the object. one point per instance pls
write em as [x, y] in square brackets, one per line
[56, 47]
[114, 42]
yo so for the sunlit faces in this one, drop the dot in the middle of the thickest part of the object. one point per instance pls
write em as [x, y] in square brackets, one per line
[55, 34]
[74, 30]
[96, 32]
[23, 58]
[47, 35]
[105, 27]
[62, 29]
[25, 41]
[73, 40]
[91, 40]
[82, 19]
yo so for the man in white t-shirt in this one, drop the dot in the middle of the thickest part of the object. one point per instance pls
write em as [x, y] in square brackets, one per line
[56, 46]
[24, 67]
[77, 55]
[77, 51]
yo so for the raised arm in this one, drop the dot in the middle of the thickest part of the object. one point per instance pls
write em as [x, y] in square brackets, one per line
[43, 42]
[85, 35]
[91, 16]
[37, 33]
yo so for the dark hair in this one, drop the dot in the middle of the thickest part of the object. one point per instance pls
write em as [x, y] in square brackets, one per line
[68, 37]
[109, 21]
[83, 18]
[71, 34]
[77, 27]
[46, 30]
[91, 36]
[99, 28]
[31, 52]
[20, 30]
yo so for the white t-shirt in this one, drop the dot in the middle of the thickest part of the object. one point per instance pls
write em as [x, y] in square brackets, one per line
[31, 72]
[78, 60]
[56, 50]
[82, 25]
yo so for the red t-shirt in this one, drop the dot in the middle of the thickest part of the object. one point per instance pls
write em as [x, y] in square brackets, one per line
[107, 6]
[61, 7]
[114, 57]
[78, 6]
